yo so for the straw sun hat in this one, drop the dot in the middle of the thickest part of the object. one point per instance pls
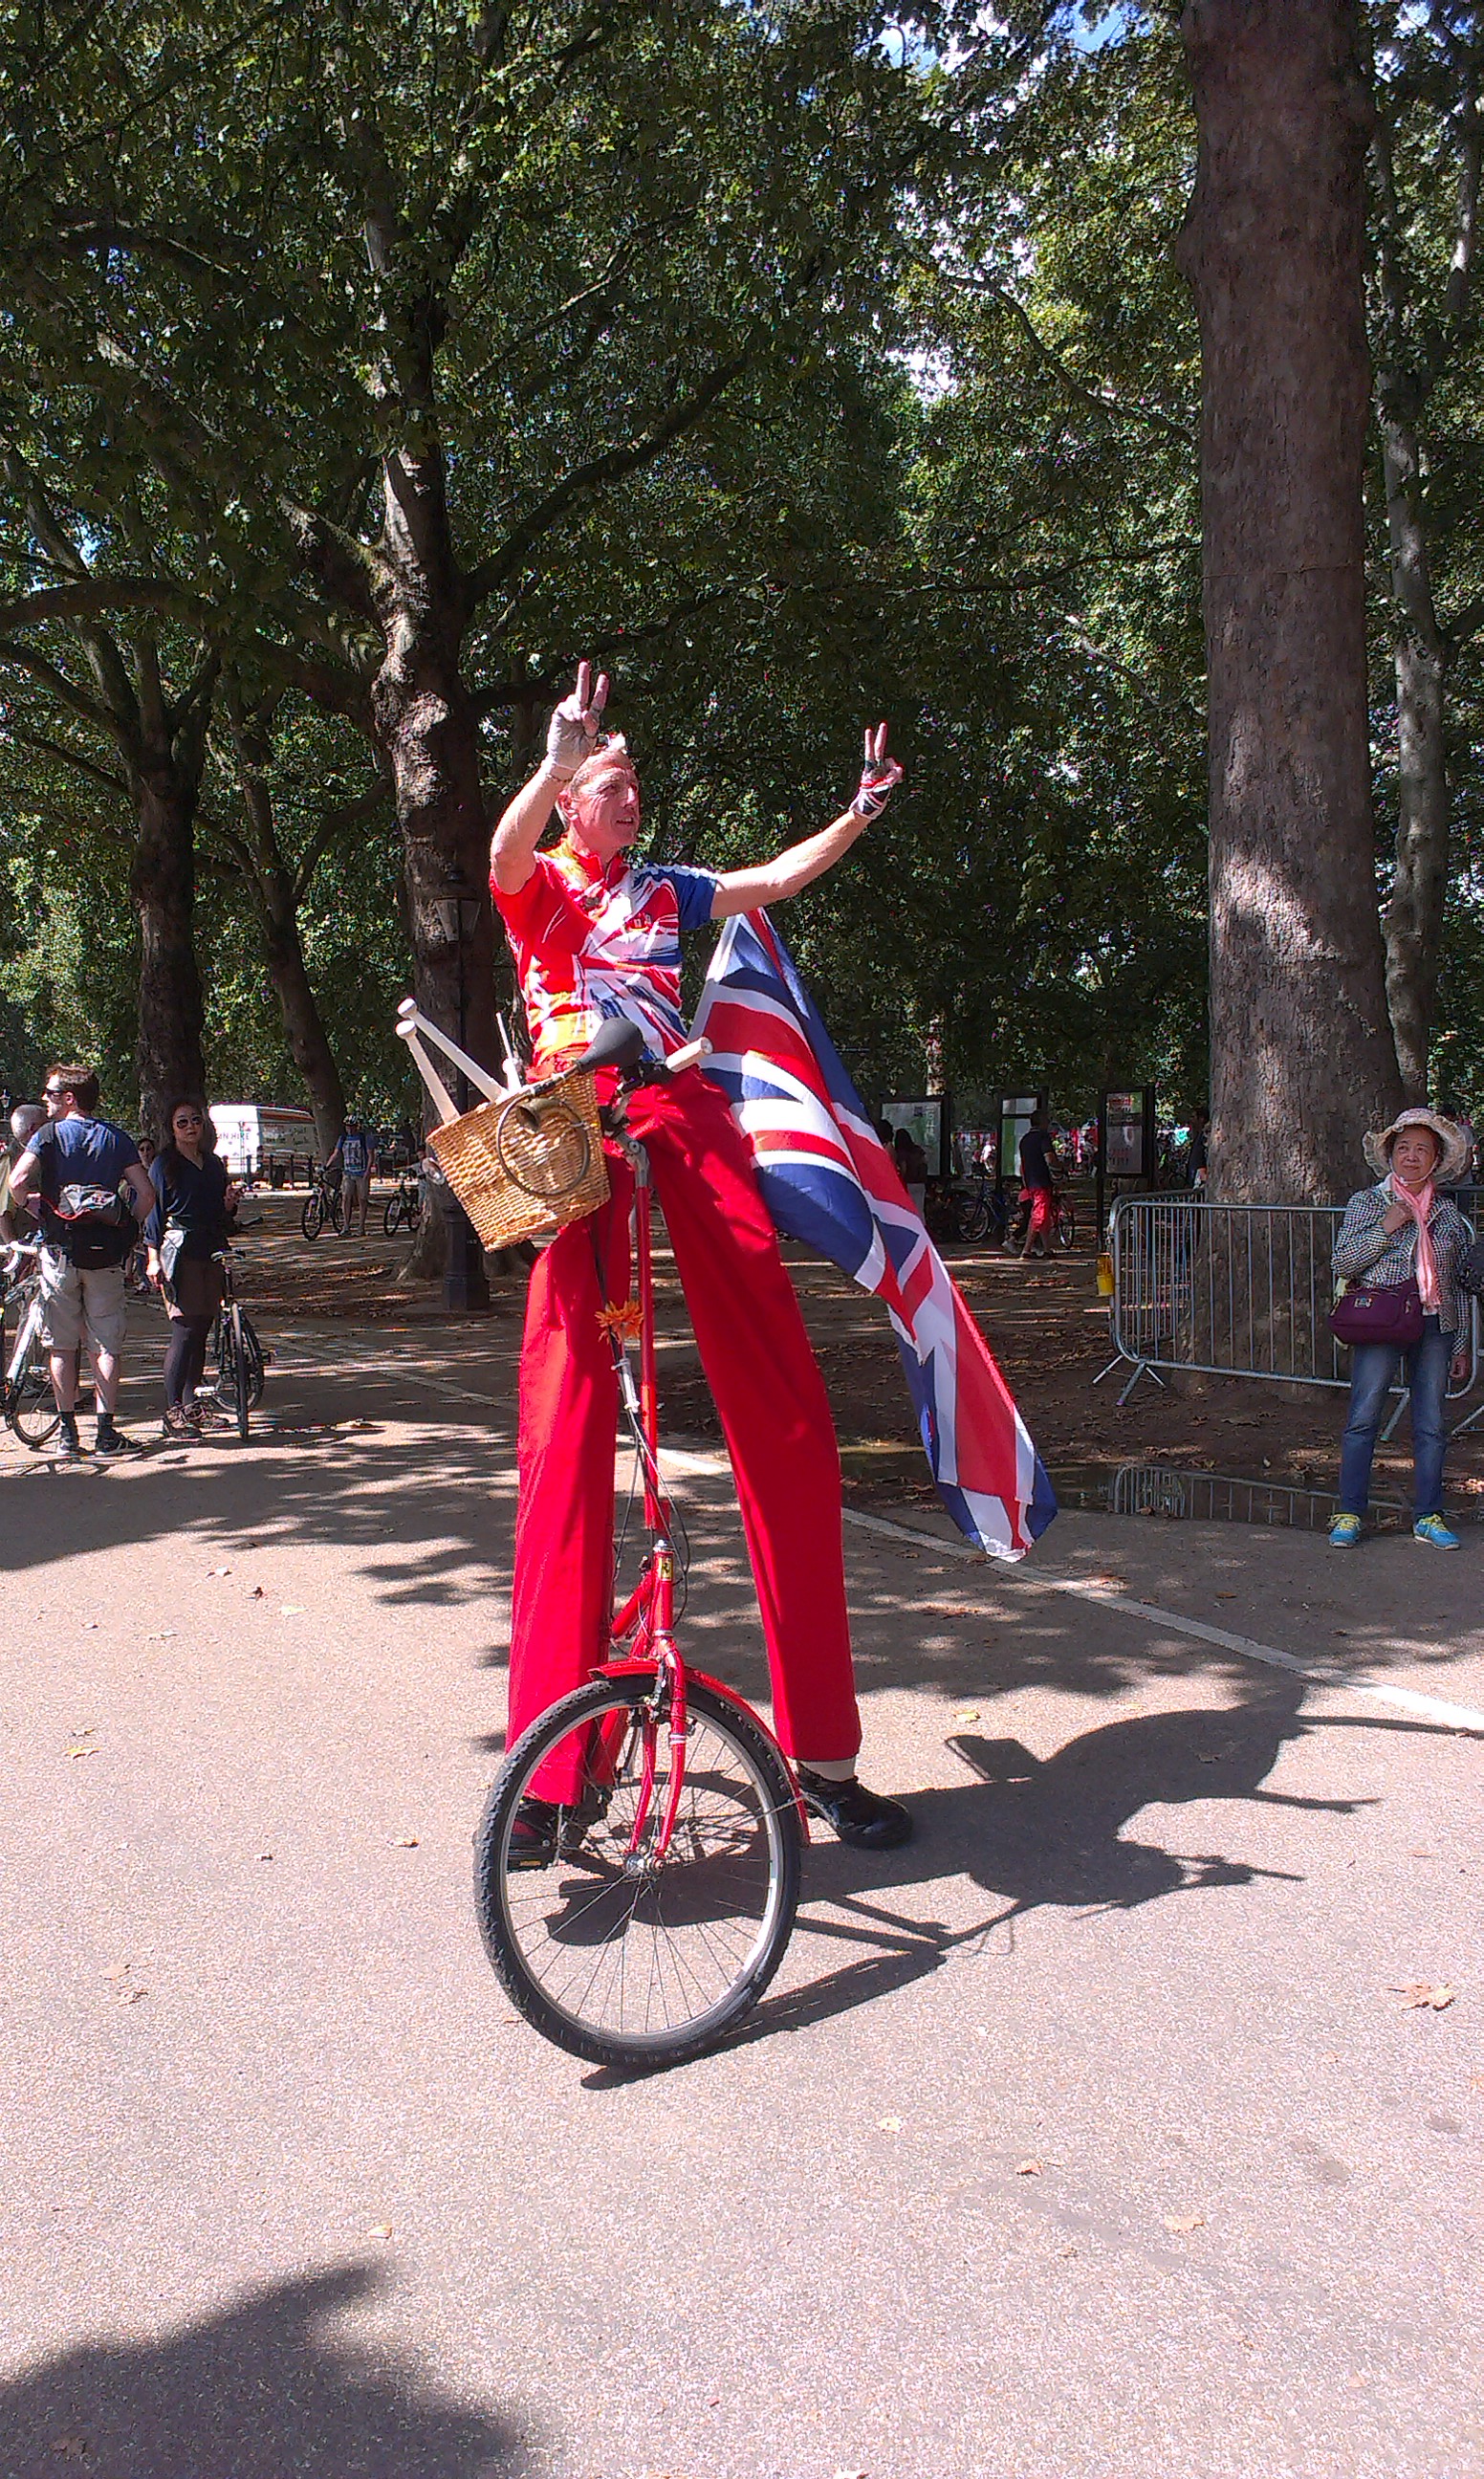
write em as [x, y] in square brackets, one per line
[1453, 1157]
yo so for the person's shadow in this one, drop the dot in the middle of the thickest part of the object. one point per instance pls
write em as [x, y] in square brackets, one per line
[257, 2392]
[1034, 1832]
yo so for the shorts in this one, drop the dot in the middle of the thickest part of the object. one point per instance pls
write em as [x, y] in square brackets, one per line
[356, 1191]
[75, 1296]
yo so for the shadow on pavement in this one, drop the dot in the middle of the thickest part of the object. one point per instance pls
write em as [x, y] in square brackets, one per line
[256, 2393]
[1037, 1832]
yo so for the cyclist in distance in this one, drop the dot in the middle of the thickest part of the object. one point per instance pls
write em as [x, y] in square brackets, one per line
[595, 934]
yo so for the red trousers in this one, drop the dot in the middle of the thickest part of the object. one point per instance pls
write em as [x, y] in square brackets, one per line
[774, 1411]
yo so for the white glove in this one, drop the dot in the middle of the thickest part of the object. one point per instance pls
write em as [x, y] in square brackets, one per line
[879, 776]
[573, 731]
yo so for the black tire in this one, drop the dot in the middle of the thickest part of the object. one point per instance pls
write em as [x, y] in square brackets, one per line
[974, 1218]
[412, 1211]
[1066, 1226]
[392, 1218]
[234, 1379]
[733, 1866]
[312, 1214]
[30, 1405]
[252, 1353]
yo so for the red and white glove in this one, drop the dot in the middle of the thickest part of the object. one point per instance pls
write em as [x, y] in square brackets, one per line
[879, 776]
[573, 731]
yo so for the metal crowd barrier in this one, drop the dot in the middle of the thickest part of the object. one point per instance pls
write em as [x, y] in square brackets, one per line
[1233, 1291]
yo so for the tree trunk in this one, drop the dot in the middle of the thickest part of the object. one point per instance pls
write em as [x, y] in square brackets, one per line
[1414, 915]
[1302, 1058]
[162, 883]
[275, 901]
[426, 728]
[308, 1042]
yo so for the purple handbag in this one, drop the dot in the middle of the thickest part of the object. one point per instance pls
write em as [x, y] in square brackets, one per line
[1388, 1313]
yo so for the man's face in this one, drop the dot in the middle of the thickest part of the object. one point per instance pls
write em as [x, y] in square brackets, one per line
[606, 821]
[58, 1099]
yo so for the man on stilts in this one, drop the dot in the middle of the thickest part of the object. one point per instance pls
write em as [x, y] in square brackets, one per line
[596, 935]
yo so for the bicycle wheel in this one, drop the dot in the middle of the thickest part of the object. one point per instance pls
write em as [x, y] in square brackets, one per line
[1066, 1226]
[616, 1956]
[233, 1377]
[30, 1405]
[311, 1215]
[252, 1354]
[392, 1218]
[335, 1212]
[414, 1212]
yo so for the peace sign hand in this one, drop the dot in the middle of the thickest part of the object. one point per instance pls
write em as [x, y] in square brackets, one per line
[573, 733]
[879, 776]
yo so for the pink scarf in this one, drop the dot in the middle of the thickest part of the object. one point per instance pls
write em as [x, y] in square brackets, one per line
[1419, 1207]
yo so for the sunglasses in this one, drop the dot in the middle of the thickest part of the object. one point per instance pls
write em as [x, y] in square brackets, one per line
[55, 1092]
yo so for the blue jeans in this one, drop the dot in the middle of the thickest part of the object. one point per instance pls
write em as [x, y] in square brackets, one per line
[1373, 1368]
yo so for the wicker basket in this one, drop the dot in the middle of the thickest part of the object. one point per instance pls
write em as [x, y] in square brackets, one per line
[529, 1165]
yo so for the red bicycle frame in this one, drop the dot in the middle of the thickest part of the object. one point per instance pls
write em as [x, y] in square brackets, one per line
[645, 1623]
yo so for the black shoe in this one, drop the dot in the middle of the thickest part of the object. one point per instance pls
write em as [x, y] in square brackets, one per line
[856, 1814]
[69, 1445]
[113, 1441]
[533, 1834]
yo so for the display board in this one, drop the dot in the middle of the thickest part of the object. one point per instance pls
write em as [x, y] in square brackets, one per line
[928, 1122]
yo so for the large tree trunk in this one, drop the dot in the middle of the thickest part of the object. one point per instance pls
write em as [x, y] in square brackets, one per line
[275, 901]
[162, 883]
[1414, 915]
[1302, 1058]
[427, 730]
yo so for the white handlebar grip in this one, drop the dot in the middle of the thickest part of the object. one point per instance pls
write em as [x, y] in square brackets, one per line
[688, 1057]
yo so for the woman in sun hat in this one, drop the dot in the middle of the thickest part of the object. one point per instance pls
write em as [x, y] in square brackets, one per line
[1405, 1231]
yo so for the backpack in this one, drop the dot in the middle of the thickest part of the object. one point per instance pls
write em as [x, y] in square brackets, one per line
[93, 1226]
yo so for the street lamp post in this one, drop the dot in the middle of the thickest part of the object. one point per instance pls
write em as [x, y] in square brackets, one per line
[464, 1283]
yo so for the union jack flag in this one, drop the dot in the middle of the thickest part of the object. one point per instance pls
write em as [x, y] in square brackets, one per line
[830, 1181]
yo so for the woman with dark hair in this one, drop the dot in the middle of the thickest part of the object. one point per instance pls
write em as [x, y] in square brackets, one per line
[193, 1205]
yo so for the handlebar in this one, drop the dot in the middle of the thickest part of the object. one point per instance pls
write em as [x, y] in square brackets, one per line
[619, 1044]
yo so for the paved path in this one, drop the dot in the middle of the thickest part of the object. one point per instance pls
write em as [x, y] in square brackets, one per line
[1089, 2138]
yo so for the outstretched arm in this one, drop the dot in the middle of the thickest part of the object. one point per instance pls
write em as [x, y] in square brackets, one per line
[743, 890]
[571, 736]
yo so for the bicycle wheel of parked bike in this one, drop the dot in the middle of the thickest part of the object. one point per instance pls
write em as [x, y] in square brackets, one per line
[30, 1405]
[312, 1214]
[392, 1218]
[234, 1372]
[1066, 1225]
[615, 1953]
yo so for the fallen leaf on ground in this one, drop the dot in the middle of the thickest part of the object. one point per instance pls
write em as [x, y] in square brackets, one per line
[82, 1752]
[890, 2125]
[404, 1842]
[1226, 1596]
[1180, 2224]
[1028, 2169]
[162, 1637]
[970, 1713]
[71, 2447]
[1422, 1992]
[219, 1571]
[1116, 1583]
[292, 1610]
[89, 1623]
[117, 1971]
[256, 1593]
[379, 2230]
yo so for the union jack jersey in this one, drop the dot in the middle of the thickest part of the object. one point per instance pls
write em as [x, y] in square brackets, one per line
[591, 943]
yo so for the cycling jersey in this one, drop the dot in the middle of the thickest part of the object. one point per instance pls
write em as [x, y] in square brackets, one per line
[591, 943]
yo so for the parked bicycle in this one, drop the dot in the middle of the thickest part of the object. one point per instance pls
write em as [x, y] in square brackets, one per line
[404, 1210]
[660, 1907]
[322, 1205]
[239, 1356]
[30, 1406]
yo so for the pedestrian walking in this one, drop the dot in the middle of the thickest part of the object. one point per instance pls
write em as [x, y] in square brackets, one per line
[1400, 1250]
[911, 1166]
[189, 1223]
[1038, 1168]
[351, 1164]
[79, 1168]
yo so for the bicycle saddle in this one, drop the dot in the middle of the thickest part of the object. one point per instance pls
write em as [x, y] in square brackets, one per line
[617, 1044]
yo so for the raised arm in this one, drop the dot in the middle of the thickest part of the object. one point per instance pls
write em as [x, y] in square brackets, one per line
[571, 737]
[743, 890]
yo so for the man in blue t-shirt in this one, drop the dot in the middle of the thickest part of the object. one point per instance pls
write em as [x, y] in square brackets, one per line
[83, 1254]
[353, 1160]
